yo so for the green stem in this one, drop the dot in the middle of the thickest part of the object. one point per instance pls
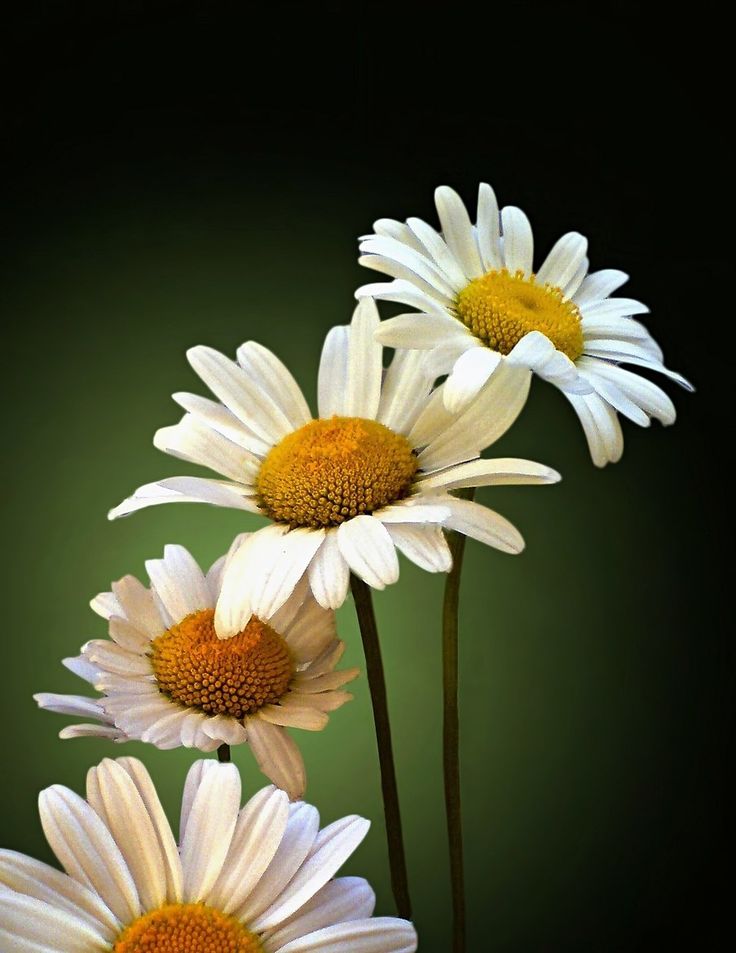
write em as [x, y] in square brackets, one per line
[451, 733]
[377, 684]
[223, 754]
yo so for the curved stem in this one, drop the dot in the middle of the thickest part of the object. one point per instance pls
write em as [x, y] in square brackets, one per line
[377, 683]
[451, 733]
[223, 754]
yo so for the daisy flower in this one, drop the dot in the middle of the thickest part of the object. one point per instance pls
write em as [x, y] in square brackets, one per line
[166, 677]
[257, 879]
[482, 304]
[370, 475]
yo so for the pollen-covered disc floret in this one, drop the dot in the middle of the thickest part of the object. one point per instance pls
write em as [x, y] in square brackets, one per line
[500, 308]
[333, 469]
[187, 928]
[235, 676]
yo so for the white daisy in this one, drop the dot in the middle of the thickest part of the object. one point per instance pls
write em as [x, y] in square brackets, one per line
[482, 304]
[371, 475]
[167, 678]
[257, 879]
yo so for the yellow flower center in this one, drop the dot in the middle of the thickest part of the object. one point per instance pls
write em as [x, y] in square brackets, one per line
[331, 470]
[187, 928]
[500, 308]
[233, 676]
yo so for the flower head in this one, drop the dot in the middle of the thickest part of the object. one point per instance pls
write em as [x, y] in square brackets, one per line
[257, 879]
[482, 304]
[167, 678]
[370, 476]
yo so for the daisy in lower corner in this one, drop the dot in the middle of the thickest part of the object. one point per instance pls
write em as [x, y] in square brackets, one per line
[481, 303]
[256, 879]
[370, 476]
[166, 677]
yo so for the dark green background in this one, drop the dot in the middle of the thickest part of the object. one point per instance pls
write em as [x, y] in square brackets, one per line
[181, 177]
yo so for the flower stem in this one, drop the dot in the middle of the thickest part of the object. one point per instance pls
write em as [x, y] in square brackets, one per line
[377, 683]
[451, 733]
[223, 754]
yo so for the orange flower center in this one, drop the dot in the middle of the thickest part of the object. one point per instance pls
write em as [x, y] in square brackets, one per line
[333, 469]
[500, 308]
[235, 676]
[186, 928]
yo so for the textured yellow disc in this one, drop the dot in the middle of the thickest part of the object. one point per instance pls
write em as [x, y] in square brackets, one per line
[233, 676]
[500, 308]
[187, 928]
[333, 469]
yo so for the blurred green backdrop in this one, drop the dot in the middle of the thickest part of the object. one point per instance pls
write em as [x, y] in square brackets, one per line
[592, 672]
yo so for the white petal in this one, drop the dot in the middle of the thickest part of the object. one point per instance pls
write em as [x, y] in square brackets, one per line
[485, 525]
[301, 832]
[341, 900]
[613, 308]
[209, 830]
[186, 490]
[424, 545]
[400, 261]
[601, 427]
[197, 443]
[139, 606]
[537, 352]
[219, 418]
[278, 756]
[613, 394]
[563, 261]
[329, 574]
[436, 247]
[333, 373]
[169, 851]
[643, 392]
[195, 776]
[364, 369]
[414, 510]
[42, 882]
[262, 575]
[78, 706]
[258, 833]
[406, 387]
[488, 228]
[312, 632]
[87, 851]
[105, 604]
[375, 935]
[28, 925]
[486, 419]
[179, 582]
[272, 376]
[224, 729]
[470, 373]
[240, 393]
[398, 230]
[503, 471]
[419, 331]
[331, 849]
[600, 284]
[518, 241]
[126, 635]
[92, 731]
[458, 230]
[404, 292]
[115, 798]
[307, 719]
[368, 550]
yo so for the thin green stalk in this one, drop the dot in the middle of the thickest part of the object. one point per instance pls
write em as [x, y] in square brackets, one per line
[377, 684]
[223, 754]
[451, 733]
